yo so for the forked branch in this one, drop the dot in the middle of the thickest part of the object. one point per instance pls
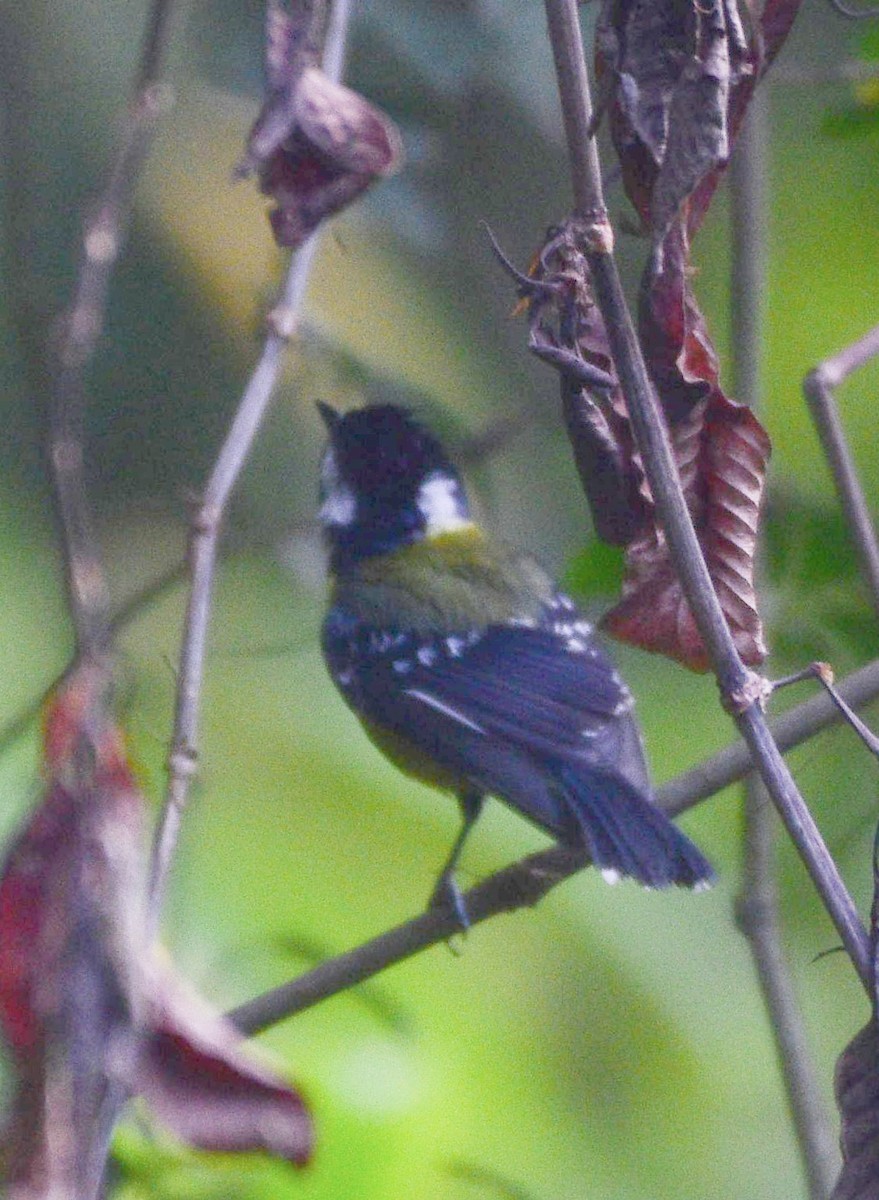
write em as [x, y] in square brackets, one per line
[526, 882]
[820, 387]
[743, 692]
[207, 521]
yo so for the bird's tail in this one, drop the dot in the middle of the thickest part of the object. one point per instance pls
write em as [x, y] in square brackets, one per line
[628, 834]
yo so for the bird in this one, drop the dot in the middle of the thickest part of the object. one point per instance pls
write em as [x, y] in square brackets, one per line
[469, 669]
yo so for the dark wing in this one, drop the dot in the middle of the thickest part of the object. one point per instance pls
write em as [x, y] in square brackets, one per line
[528, 686]
[535, 716]
[503, 708]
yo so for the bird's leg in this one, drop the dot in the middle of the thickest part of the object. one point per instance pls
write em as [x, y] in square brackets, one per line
[447, 893]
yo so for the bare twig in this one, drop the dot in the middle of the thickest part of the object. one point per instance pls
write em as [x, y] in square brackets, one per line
[757, 905]
[788, 74]
[853, 14]
[867, 736]
[523, 883]
[757, 913]
[819, 387]
[78, 334]
[79, 330]
[132, 607]
[527, 881]
[742, 691]
[207, 521]
[790, 729]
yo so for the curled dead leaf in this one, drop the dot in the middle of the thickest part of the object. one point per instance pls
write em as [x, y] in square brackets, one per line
[316, 145]
[85, 1006]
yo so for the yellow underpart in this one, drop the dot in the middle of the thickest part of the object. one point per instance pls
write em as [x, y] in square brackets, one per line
[410, 759]
[449, 583]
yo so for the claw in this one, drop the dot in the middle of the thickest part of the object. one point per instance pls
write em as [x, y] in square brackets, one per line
[528, 286]
[447, 895]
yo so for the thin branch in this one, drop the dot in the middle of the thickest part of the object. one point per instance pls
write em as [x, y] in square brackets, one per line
[853, 14]
[524, 883]
[790, 729]
[819, 387]
[207, 522]
[742, 691]
[787, 74]
[136, 604]
[867, 736]
[757, 914]
[79, 331]
[572, 76]
[757, 905]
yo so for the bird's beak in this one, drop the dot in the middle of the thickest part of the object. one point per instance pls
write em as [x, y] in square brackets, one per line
[329, 415]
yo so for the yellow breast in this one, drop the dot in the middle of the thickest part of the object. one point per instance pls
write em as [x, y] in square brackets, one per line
[446, 583]
[409, 759]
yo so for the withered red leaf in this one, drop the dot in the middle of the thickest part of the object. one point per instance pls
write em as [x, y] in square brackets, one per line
[199, 1078]
[670, 68]
[857, 1095]
[677, 76]
[316, 144]
[677, 347]
[722, 452]
[568, 333]
[84, 1004]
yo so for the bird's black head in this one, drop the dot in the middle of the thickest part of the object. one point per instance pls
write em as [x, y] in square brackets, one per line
[385, 482]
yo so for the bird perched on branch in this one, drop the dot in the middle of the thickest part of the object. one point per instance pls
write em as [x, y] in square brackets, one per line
[469, 669]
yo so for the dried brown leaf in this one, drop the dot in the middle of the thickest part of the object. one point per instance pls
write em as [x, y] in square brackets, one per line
[857, 1094]
[83, 1002]
[316, 144]
[722, 452]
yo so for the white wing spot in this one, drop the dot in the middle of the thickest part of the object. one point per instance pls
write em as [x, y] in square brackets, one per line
[456, 645]
[445, 709]
[402, 665]
[426, 655]
[610, 875]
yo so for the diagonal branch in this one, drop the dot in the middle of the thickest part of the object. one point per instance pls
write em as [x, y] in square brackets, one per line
[757, 909]
[77, 337]
[79, 330]
[207, 521]
[758, 918]
[742, 692]
[819, 387]
[526, 882]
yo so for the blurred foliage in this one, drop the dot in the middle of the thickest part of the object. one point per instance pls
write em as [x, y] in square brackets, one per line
[609, 1018]
[859, 114]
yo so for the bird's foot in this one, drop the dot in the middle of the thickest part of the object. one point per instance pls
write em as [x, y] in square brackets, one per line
[447, 895]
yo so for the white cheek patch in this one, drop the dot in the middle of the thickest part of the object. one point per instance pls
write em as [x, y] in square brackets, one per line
[339, 508]
[339, 505]
[441, 502]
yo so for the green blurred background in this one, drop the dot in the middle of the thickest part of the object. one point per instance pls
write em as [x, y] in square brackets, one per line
[611, 1043]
